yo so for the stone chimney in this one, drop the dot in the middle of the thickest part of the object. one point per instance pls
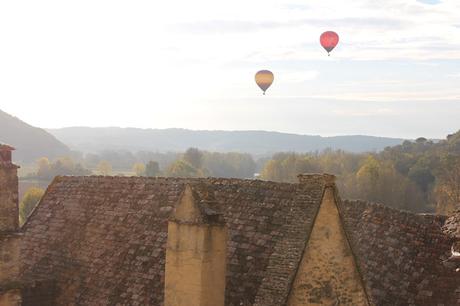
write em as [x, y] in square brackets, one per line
[9, 213]
[196, 252]
[9, 224]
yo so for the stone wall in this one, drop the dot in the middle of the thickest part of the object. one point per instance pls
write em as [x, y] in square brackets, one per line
[10, 293]
[9, 215]
[295, 229]
[9, 257]
[195, 265]
[328, 273]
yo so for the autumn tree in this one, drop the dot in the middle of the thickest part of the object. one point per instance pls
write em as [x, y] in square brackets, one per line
[104, 168]
[368, 177]
[28, 202]
[379, 181]
[194, 157]
[139, 169]
[182, 168]
[43, 167]
[152, 168]
[66, 162]
[285, 167]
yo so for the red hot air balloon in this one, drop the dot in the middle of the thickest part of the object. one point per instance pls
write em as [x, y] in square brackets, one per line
[264, 79]
[329, 40]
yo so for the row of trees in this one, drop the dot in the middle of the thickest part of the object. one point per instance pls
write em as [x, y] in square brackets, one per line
[124, 160]
[196, 163]
[420, 176]
[192, 163]
[62, 166]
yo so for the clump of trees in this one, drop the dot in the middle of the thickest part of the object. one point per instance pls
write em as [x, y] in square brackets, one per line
[447, 188]
[196, 163]
[420, 175]
[124, 160]
[62, 166]
[191, 163]
[182, 168]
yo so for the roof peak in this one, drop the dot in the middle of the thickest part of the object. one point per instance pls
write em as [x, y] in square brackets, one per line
[197, 205]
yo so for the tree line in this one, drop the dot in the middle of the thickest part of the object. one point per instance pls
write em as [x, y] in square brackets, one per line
[418, 176]
[192, 163]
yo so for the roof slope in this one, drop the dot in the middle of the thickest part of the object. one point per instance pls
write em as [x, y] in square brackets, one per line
[102, 239]
[401, 255]
[452, 225]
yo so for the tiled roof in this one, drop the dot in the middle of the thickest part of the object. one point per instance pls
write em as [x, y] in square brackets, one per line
[401, 256]
[102, 239]
[452, 225]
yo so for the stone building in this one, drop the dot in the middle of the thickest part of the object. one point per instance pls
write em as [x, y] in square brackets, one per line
[176, 242]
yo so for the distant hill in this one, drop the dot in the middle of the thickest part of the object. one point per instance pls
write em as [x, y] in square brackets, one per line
[255, 142]
[31, 142]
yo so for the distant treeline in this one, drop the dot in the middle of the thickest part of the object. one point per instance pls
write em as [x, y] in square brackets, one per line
[192, 163]
[419, 176]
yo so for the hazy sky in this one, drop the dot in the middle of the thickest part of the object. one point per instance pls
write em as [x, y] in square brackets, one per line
[191, 64]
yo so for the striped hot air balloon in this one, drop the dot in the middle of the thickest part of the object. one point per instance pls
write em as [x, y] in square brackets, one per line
[264, 79]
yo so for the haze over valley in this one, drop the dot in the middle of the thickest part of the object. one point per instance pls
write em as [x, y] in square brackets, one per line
[260, 143]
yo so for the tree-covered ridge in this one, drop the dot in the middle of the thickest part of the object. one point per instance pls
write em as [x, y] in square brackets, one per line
[86, 139]
[420, 176]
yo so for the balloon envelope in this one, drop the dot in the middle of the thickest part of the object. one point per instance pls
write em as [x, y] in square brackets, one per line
[329, 40]
[264, 79]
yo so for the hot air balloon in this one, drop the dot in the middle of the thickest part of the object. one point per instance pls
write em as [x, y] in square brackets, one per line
[264, 79]
[329, 41]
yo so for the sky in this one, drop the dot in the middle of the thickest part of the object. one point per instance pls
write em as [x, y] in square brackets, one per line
[191, 64]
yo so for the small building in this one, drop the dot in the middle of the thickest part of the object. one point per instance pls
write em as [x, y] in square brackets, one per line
[214, 242]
